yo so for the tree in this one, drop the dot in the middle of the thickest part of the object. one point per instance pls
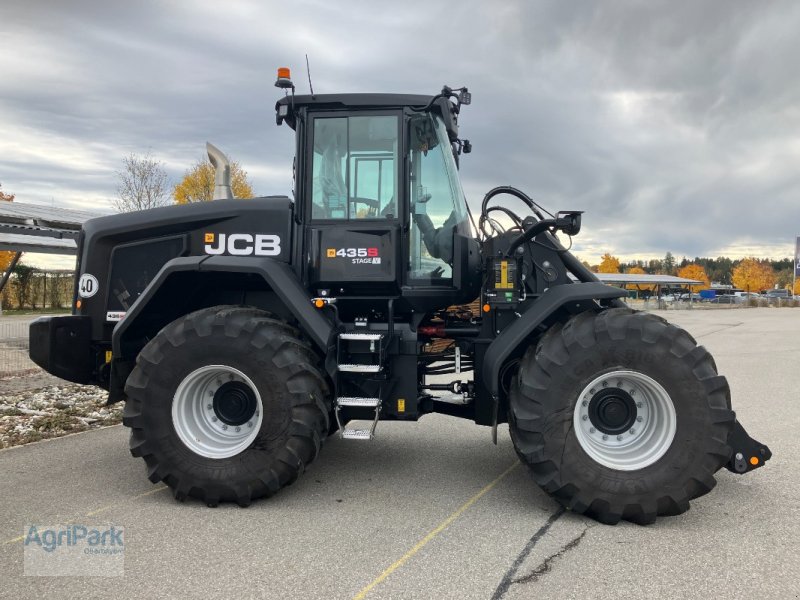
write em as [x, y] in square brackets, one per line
[6, 256]
[608, 264]
[696, 272]
[796, 291]
[142, 184]
[6, 197]
[197, 184]
[753, 275]
[24, 283]
[668, 264]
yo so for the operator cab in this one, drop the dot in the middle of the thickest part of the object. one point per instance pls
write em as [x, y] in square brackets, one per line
[379, 206]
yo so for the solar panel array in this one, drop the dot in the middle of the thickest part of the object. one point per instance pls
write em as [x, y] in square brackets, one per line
[40, 228]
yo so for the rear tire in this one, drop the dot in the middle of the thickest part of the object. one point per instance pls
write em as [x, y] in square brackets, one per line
[226, 404]
[620, 415]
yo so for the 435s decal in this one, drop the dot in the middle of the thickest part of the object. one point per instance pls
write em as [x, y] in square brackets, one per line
[358, 255]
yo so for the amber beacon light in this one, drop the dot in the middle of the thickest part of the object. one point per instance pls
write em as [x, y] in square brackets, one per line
[284, 79]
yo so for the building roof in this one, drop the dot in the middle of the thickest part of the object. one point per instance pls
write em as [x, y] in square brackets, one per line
[645, 279]
[40, 228]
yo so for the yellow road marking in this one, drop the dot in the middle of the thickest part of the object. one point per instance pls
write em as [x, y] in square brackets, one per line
[142, 495]
[104, 508]
[432, 534]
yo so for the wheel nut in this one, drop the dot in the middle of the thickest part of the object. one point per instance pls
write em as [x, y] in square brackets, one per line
[238, 429]
[230, 377]
[585, 403]
[632, 431]
[214, 419]
[592, 430]
[639, 419]
[210, 392]
[249, 424]
[585, 417]
[638, 405]
[633, 392]
[605, 437]
[224, 427]
[619, 438]
[209, 407]
[605, 384]
[591, 391]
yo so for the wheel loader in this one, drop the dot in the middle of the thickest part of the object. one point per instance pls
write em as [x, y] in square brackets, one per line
[242, 333]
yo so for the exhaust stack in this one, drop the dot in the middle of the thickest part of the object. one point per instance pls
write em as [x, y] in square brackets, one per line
[222, 173]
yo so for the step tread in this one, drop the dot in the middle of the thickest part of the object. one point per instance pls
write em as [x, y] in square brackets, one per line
[352, 335]
[351, 368]
[357, 401]
[357, 434]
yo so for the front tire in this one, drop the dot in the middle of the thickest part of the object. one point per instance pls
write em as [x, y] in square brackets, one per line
[226, 404]
[620, 415]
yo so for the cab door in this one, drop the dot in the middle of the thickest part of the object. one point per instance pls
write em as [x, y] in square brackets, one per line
[353, 229]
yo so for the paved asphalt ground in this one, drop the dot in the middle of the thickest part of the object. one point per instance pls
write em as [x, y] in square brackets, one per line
[434, 510]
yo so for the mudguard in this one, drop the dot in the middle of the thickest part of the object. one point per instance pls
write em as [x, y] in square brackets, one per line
[549, 302]
[279, 276]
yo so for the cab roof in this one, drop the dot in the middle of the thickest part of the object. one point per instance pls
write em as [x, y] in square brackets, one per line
[345, 101]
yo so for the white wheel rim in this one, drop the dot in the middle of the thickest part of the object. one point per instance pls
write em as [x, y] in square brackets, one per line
[650, 434]
[197, 418]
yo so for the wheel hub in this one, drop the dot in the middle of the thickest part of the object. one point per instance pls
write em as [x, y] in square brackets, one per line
[234, 403]
[612, 411]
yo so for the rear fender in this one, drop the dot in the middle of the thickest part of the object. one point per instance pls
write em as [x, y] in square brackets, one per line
[161, 300]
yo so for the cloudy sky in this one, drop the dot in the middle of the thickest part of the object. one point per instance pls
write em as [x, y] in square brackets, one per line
[674, 125]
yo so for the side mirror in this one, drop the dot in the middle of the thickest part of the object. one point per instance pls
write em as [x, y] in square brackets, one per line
[464, 97]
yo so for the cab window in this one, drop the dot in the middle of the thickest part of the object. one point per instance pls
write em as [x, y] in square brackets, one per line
[438, 207]
[355, 168]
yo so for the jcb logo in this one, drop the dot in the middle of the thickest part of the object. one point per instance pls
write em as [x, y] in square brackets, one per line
[242, 244]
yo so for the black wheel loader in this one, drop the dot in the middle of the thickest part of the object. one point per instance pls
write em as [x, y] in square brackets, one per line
[242, 333]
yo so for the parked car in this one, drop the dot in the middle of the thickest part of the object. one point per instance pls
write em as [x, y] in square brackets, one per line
[686, 297]
[743, 297]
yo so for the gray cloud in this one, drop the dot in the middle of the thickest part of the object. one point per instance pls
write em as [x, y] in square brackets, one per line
[674, 125]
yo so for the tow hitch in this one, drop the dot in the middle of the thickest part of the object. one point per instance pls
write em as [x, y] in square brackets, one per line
[748, 454]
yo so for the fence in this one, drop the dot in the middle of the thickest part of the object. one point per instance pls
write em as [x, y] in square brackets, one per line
[14, 347]
[30, 288]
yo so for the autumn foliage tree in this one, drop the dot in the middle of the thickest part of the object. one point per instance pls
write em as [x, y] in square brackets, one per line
[5, 256]
[753, 275]
[696, 272]
[608, 264]
[197, 184]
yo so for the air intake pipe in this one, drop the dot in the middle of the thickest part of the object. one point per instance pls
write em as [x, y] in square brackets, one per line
[222, 172]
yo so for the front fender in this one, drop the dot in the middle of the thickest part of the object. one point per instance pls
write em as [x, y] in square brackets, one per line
[548, 303]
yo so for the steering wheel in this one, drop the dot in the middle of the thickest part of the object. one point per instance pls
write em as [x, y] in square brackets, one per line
[374, 205]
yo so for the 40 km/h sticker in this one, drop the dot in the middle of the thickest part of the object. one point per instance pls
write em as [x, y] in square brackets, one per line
[87, 285]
